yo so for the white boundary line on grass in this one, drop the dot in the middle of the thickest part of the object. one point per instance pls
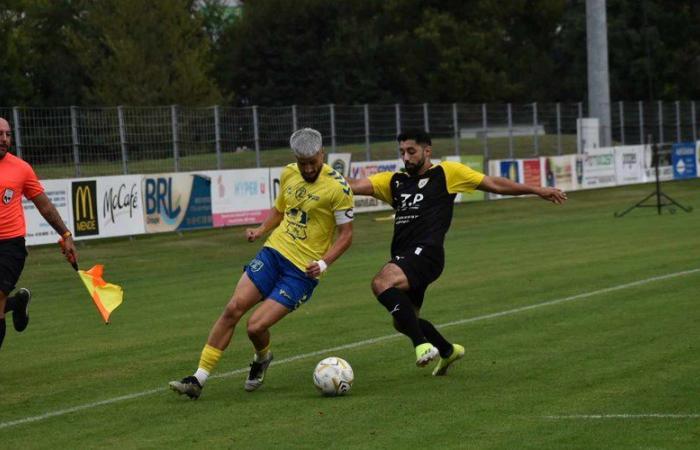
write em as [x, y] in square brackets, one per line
[623, 416]
[62, 412]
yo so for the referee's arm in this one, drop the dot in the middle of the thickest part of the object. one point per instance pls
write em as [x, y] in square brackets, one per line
[50, 214]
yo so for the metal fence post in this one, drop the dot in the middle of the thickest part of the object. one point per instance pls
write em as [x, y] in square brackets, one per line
[678, 121]
[640, 106]
[217, 137]
[294, 118]
[331, 107]
[122, 139]
[558, 128]
[535, 129]
[580, 110]
[176, 143]
[74, 134]
[256, 134]
[397, 111]
[485, 129]
[692, 117]
[18, 132]
[426, 118]
[510, 131]
[661, 121]
[367, 150]
[455, 125]
[622, 122]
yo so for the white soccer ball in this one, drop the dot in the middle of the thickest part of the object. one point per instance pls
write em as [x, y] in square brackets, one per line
[333, 376]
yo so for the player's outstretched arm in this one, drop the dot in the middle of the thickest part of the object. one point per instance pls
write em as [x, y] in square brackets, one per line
[504, 186]
[50, 214]
[342, 243]
[361, 186]
[273, 219]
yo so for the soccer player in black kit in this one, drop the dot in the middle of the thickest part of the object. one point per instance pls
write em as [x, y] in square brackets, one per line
[423, 198]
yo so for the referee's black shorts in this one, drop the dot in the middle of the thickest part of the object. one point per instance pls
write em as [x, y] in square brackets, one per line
[12, 256]
[422, 265]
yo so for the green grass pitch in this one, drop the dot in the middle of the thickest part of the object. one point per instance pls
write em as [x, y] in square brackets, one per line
[582, 331]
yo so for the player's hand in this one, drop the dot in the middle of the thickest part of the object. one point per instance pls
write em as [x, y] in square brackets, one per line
[252, 234]
[554, 195]
[315, 268]
[69, 251]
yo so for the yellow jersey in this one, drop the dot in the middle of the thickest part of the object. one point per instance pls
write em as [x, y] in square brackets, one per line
[310, 210]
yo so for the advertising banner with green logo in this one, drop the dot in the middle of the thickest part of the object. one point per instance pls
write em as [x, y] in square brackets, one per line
[475, 162]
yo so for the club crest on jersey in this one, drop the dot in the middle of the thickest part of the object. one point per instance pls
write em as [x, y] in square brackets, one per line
[7, 196]
[422, 182]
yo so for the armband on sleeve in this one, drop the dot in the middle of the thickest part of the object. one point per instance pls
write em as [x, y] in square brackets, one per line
[344, 216]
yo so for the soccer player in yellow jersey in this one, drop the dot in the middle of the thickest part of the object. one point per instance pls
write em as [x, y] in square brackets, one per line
[423, 198]
[313, 202]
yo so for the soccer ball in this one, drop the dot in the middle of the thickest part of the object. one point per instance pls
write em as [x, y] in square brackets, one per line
[333, 376]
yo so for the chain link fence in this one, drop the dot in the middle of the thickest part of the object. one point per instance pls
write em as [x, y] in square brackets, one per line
[78, 141]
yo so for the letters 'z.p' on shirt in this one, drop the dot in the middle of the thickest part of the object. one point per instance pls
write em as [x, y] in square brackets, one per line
[309, 209]
[17, 178]
[424, 203]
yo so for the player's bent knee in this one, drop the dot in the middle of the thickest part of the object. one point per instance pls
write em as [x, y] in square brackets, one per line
[256, 329]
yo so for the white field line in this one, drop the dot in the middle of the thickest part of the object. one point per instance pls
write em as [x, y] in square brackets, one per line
[110, 401]
[623, 416]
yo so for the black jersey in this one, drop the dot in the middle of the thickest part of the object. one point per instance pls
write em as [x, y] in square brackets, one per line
[424, 203]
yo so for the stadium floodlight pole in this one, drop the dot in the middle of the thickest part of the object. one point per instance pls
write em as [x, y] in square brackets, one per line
[18, 135]
[598, 76]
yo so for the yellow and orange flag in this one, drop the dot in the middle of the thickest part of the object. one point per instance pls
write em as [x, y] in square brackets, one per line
[107, 296]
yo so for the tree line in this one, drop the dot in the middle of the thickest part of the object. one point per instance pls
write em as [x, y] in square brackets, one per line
[282, 52]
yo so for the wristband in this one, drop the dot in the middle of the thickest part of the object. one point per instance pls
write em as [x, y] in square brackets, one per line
[67, 234]
[322, 265]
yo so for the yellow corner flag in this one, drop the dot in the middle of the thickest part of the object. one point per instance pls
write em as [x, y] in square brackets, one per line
[106, 296]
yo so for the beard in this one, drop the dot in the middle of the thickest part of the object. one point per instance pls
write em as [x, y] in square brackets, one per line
[312, 178]
[412, 168]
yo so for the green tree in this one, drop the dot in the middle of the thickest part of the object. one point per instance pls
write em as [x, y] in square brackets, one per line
[144, 53]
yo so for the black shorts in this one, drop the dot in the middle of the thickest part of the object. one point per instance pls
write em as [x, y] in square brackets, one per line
[422, 265]
[12, 256]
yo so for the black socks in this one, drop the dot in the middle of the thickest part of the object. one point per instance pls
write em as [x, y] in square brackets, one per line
[435, 338]
[400, 307]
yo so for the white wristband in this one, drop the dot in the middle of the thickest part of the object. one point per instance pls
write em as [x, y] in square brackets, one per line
[322, 265]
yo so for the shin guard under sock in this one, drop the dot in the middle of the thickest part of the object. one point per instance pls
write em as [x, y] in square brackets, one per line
[399, 305]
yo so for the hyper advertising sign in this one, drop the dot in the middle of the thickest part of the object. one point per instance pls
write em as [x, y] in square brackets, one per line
[240, 196]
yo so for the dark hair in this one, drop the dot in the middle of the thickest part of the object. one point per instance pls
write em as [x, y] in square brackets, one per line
[421, 137]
